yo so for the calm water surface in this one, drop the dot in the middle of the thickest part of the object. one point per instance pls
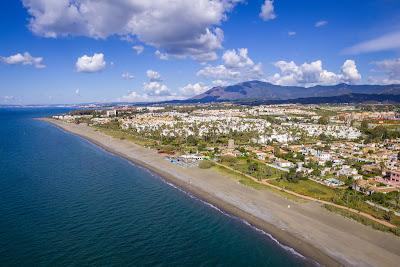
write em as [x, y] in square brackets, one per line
[66, 202]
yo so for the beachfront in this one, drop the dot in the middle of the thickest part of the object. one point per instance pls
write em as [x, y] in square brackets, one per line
[306, 226]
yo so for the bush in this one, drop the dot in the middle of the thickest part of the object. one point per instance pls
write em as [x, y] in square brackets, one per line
[228, 159]
[323, 120]
[293, 177]
[206, 164]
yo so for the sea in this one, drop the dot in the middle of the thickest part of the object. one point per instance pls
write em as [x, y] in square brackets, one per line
[66, 202]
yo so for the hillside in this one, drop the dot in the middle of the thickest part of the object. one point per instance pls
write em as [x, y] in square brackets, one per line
[263, 91]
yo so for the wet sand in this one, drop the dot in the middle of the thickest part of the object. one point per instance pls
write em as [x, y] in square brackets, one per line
[310, 229]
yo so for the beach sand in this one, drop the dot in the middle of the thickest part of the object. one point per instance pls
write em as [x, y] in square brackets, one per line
[310, 229]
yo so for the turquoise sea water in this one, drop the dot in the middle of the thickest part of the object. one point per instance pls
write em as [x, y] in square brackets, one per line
[67, 202]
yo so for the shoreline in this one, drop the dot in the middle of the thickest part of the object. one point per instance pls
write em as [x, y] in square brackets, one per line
[275, 229]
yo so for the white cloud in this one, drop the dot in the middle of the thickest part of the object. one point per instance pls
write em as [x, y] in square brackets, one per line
[153, 75]
[24, 59]
[310, 74]
[237, 59]
[320, 23]
[291, 33]
[386, 42]
[8, 98]
[219, 72]
[89, 64]
[127, 76]
[138, 49]
[193, 89]
[153, 90]
[178, 28]
[350, 73]
[237, 66]
[219, 83]
[267, 10]
[77, 91]
[390, 68]
[162, 56]
[156, 88]
[134, 96]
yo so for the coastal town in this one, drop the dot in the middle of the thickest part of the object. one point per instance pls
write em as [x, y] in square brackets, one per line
[200, 133]
[347, 155]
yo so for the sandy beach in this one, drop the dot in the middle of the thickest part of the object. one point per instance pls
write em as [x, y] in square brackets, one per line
[310, 229]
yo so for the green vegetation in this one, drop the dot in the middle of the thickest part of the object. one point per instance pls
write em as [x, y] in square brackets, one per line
[356, 201]
[252, 167]
[378, 108]
[363, 220]
[125, 135]
[348, 198]
[390, 200]
[380, 132]
[84, 112]
[206, 164]
[292, 176]
[251, 183]
[324, 120]
[308, 188]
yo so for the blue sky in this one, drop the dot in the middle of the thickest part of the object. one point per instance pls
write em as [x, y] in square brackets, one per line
[81, 51]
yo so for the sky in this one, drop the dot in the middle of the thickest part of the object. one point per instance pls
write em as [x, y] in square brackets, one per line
[80, 51]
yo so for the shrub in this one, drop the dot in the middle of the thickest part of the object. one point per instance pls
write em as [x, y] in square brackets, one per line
[228, 159]
[206, 164]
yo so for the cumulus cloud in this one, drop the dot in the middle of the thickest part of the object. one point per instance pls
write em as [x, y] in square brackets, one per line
[385, 42]
[267, 10]
[135, 97]
[156, 88]
[138, 49]
[127, 76]
[237, 66]
[390, 68]
[237, 59]
[310, 74]
[90, 64]
[193, 89]
[291, 33]
[24, 59]
[350, 73]
[218, 72]
[179, 28]
[153, 75]
[153, 90]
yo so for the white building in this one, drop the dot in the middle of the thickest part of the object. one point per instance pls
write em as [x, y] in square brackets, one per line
[111, 113]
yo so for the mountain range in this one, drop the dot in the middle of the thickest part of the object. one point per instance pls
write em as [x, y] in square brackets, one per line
[259, 91]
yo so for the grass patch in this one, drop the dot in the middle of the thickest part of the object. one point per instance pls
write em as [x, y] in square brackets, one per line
[308, 188]
[363, 220]
[124, 135]
[206, 164]
[241, 178]
[344, 197]
[251, 183]
[252, 167]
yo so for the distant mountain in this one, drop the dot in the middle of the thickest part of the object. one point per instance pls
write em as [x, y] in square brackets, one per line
[258, 91]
